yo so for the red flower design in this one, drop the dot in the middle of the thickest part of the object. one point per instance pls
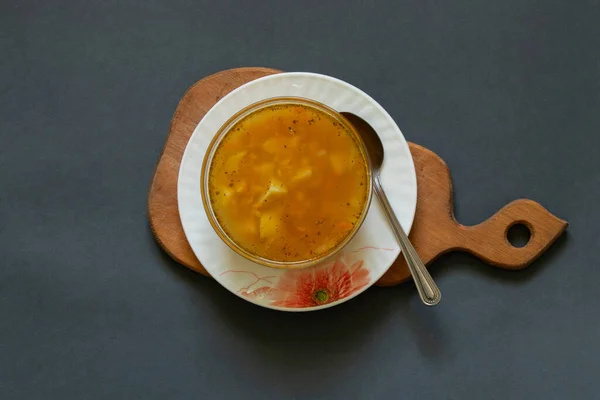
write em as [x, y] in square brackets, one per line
[321, 285]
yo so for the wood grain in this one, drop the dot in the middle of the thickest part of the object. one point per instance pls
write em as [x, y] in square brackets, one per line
[435, 230]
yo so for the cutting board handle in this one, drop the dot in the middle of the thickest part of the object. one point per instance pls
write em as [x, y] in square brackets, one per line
[436, 231]
[489, 239]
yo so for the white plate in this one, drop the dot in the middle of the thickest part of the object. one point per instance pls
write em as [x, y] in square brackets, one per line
[364, 260]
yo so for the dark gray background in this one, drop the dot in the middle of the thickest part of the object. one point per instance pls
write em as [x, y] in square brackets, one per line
[507, 92]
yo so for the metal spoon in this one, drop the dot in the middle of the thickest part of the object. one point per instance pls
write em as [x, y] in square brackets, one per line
[428, 291]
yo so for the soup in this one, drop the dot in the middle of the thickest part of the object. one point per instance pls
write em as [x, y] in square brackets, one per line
[288, 182]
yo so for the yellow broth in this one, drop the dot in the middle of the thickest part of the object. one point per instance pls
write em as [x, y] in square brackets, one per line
[288, 182]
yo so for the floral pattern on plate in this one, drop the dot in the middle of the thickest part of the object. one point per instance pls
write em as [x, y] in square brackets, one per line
[311, 287]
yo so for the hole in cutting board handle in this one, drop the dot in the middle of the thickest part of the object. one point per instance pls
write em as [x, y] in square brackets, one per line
[518, 234]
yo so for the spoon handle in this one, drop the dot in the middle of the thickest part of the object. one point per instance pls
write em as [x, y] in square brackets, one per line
[428, 291]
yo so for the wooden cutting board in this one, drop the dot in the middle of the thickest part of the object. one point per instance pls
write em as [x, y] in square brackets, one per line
[435, 230]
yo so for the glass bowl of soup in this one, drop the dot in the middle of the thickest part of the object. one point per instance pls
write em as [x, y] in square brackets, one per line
[286, 182]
